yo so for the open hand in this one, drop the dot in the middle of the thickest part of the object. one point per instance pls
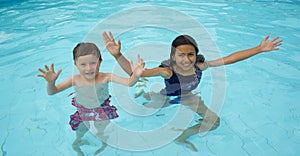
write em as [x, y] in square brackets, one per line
[49, 74]
[110, 44]
[266, 45]
[138, 68]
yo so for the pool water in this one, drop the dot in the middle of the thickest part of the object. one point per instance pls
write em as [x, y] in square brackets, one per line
[258, 109]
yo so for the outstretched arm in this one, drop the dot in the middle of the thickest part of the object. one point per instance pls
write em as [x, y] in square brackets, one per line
[114, 50]
[50, 76]
[265, 46]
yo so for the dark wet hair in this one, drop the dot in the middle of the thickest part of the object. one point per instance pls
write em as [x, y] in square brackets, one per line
[183, 40]
[83, 49]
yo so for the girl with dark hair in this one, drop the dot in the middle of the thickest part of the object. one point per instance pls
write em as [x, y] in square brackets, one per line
[182, 73]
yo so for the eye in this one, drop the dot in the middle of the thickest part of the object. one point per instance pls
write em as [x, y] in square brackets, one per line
[181, 54]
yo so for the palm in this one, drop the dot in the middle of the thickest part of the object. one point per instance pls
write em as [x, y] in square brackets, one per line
[50, 76]
[138, 69]
[112, 47]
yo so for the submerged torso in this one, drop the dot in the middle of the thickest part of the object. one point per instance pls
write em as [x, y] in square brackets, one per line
[91, 96]
[178, 84]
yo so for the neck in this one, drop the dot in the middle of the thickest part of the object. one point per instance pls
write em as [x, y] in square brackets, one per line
[184, 72]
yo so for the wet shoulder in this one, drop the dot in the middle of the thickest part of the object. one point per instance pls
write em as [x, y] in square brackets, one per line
[202, 65]
[167, 72]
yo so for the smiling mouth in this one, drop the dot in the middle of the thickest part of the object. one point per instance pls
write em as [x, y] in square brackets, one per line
[186, 64]
[90, 73]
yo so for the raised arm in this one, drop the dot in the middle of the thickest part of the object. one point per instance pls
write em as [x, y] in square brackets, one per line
[265, 46]
[114, 50]
[50, 76]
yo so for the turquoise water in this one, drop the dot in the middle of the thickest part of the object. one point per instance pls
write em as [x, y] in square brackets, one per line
[259, 111]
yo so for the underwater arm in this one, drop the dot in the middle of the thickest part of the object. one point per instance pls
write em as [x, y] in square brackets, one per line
[158, 71]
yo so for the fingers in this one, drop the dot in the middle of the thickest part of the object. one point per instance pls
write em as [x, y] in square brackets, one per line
[52, 67]
[274, 42]
[41, 70]
[131, 62]
[278, 43]
[59, 71]
[138, 58]
[40, 75]
[108, 37]
[140, 61]
[119, 43]
[274, 39]
[111, 36]
[105, 37]
[266, 38]
[131, 65]
[46, 67]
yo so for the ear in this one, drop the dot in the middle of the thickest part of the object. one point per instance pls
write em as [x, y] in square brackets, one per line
[173, 58]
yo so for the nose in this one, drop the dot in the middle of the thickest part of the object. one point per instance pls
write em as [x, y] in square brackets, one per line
[186, 58]
[88, 67]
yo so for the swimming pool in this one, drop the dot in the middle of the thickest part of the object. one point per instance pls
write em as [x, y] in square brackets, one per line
[259, 114]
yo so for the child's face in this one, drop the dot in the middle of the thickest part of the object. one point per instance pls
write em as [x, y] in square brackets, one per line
[88, 66]
[185, 57]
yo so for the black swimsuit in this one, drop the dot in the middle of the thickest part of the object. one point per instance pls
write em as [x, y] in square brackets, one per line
[178, 84]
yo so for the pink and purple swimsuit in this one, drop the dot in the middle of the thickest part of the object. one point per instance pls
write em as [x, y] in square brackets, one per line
[104, 112]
